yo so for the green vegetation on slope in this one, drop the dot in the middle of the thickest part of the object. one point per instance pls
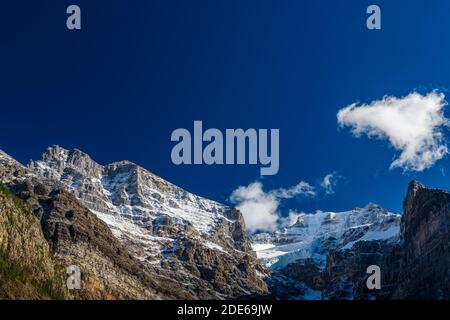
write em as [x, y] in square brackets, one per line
[27, 268]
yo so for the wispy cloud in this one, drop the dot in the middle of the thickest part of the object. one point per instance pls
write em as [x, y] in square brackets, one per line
[329, 182]
[413, 125]
[302, 188]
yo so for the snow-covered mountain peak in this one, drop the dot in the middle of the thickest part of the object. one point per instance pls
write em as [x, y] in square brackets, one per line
[138, 205]
[57, 162]
[313, 235]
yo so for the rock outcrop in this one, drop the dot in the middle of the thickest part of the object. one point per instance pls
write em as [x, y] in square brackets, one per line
[420, 264]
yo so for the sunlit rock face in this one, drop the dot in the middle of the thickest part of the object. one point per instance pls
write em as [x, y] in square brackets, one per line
[193, 240]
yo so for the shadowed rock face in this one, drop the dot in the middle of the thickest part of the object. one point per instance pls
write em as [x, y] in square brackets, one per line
[135, 247]
[421, 264]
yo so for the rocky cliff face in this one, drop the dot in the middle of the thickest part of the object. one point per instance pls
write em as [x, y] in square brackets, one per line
[134, 234]
[420, 264]
[78, 237]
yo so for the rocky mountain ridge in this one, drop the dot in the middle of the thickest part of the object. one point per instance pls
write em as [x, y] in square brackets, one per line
[128, 245]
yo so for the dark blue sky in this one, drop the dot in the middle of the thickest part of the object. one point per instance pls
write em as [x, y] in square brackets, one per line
[140, 69]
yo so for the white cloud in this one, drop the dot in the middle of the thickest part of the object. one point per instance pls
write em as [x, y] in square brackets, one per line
[302, 188]
[413, 125]
[260, 208]
[329, 182]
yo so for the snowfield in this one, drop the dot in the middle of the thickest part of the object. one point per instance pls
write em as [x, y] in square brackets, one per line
[312, 236]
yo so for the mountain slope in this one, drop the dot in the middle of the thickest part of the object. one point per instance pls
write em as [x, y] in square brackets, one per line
[194, 241]
[134, 195]
[77, 237]
[27, 268]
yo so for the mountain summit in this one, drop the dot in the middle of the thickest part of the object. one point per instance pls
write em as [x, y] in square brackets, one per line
[315, 235]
